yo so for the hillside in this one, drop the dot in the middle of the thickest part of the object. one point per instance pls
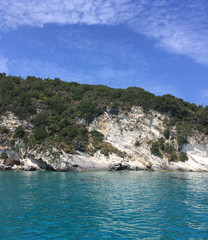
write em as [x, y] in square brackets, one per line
[51, 122]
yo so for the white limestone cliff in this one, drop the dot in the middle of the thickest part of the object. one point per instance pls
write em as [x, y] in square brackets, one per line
[121, 131]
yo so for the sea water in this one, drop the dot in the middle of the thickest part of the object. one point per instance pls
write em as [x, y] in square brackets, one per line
[103, 205]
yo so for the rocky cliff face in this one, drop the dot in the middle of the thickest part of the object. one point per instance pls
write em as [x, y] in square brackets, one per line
[132, 133]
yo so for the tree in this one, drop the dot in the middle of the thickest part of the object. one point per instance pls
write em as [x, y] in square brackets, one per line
[167, 133]
[4, 130]
[19, 132]
[183, 157]
[40, 118]
[40, 133]
[155, 149]
[4, 155]
[88, 110]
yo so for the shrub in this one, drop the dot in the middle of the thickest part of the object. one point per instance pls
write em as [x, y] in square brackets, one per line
[88, 110]
[173, 157]
[137, 143]
[4, 155]
[167, 133]
[40, 133]
[19, 132]
[4, 130]
[40, 118]
[161, 142]
[155, 149]
[97, 138]
[168, 148]
[79, 145]
[183, 157]
[107, 148]
[181, 139]
[17, 148]
[12, 142]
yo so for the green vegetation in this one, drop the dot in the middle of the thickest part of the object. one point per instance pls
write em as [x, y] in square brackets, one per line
[40, 133]
[88, 110]
[107, 148]
[137, 143]
[4, 130]
[183, 157]
[4, 155]
[60, 112]
[167, 133]
[97, 138]
[173, 157]
[159, 148]
[19, 132]
[155, 149]
[169, 149]
[104, 147]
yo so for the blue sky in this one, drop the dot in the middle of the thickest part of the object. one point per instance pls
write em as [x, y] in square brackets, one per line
[159, 45]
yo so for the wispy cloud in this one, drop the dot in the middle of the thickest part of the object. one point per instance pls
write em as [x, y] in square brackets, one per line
[38, 12]
[178, 26]
[203, 96]
[3, 64]
[92, 49]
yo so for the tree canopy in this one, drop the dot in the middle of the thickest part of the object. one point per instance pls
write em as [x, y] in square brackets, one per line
[60, 111]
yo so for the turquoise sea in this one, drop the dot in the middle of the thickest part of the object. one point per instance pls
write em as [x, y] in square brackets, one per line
[103, 205]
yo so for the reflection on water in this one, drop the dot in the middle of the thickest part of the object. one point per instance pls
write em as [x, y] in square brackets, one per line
[103, 205]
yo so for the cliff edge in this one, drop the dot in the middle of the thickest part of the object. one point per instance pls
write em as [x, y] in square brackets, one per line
[131, 140]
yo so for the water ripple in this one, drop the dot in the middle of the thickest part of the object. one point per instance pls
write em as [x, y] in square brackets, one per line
[103, 205]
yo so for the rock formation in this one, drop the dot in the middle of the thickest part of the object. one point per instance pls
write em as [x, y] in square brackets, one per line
[131, 133]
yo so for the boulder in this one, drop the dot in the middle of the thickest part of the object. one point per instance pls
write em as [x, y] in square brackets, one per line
[11, 161]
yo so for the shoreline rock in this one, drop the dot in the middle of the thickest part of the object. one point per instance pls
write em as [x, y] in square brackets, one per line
[122, 131]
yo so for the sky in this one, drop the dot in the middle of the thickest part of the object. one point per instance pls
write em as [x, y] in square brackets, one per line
[159, 45]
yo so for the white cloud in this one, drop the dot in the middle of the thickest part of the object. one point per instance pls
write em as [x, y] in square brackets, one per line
[93, 50]
[38, 12]
[178, 26]
[3, 64]
[181, 28]
[202, 96]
